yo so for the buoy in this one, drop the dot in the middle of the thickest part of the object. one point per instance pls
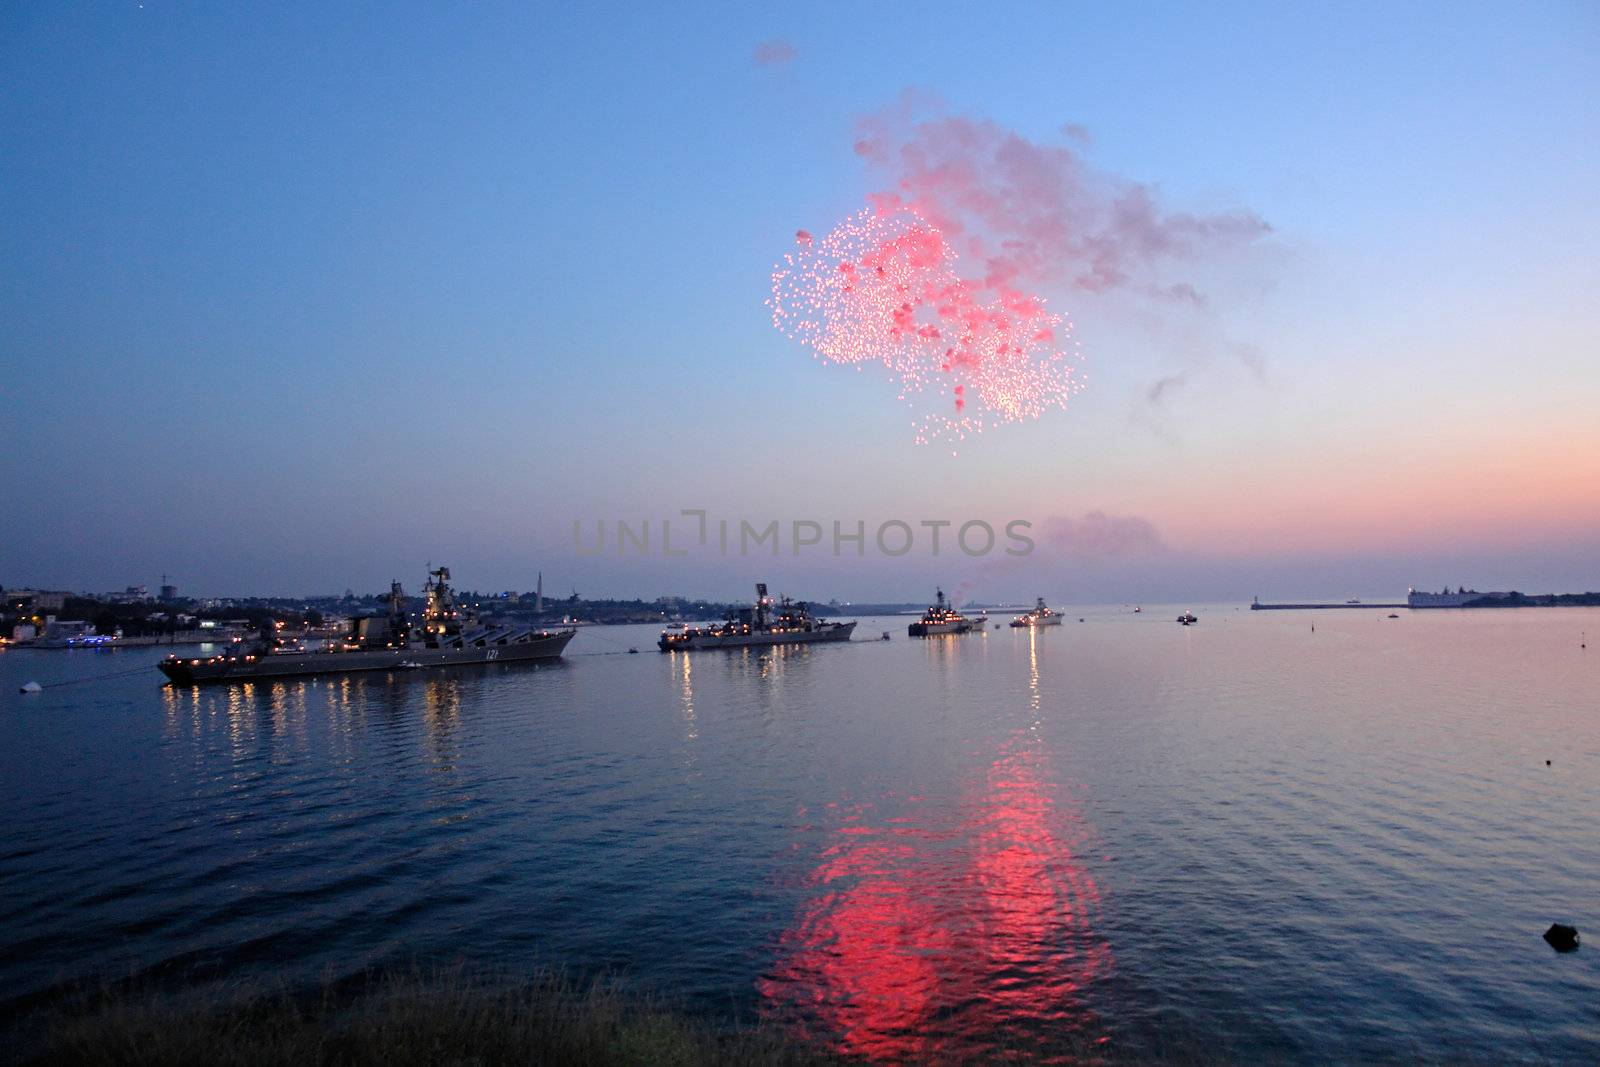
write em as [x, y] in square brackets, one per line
[633, 651]
[1547, 763]
[32, 687]
[1561, 937]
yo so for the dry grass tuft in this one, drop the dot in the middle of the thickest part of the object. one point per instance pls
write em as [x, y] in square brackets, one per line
[442, 1016]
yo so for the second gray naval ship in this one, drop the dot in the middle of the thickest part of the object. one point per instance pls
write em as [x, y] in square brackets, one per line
[446, 635]
[783, 623]
[940, 618]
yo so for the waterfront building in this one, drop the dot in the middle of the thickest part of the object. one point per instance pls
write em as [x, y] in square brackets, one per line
[1446, 599]
[32, 601]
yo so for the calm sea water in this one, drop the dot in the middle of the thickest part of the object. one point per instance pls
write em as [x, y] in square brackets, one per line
[1332, 844]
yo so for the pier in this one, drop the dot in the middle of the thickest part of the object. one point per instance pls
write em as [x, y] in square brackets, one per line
[1256, 605]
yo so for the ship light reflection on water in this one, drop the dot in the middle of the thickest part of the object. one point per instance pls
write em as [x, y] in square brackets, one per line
[982, 919]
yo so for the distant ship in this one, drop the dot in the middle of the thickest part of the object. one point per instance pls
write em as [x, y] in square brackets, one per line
[1039, 616]
[446, 635]
[72, 634]
[940, 618]
[1187, 618]
[783, 622]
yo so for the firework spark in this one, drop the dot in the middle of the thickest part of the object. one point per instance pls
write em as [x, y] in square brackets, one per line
[883, 287]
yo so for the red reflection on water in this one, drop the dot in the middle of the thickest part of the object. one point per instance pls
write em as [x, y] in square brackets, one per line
[931, 935]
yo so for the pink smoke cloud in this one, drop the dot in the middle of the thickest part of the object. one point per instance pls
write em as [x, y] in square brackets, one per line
[1091, 538]
[1098, 536]
[774, 53]
[1037, 213]
[1075, 132]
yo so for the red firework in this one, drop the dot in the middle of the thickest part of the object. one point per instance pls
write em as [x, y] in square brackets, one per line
[883, 287]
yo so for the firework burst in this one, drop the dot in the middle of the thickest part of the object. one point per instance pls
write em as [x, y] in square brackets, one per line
[883, 287]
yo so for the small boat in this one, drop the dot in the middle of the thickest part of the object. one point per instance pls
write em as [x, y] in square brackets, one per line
[1187, 618]
[1392, 615]
[72, 634]
[31, 687]
[886, 635]
[1137, 609]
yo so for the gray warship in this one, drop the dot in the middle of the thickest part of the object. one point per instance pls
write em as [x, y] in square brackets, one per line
[1040, 615]
[767, 623]
[445, 636]
[940, 618]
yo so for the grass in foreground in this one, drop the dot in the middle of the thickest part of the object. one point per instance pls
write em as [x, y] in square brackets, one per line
[462, 1016]
[418, 1017]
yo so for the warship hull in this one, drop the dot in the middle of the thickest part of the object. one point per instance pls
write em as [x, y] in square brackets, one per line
[1033, 620]
[237, 669]
[697, 641]
[934, 629]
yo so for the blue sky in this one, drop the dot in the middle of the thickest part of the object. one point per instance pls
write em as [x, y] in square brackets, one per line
[300, 296]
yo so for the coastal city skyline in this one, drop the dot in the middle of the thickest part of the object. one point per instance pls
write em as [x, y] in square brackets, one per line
[551, 259]
[978, 588]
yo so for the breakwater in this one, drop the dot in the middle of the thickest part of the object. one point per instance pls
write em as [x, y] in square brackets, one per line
[1258, 606]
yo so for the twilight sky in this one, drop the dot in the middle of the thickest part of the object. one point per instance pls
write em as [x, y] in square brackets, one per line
[300, 297]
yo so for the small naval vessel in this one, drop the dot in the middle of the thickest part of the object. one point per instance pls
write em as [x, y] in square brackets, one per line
[940, 618]
[783, 622]
[445, 635]
[1039, 616]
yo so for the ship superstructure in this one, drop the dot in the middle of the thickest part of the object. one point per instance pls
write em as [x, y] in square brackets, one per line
[940, 618]
[1039, 615]
[445, 635]
[766, 622]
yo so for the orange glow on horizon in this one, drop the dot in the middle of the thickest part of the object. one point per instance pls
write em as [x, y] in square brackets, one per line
[1524, 489]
